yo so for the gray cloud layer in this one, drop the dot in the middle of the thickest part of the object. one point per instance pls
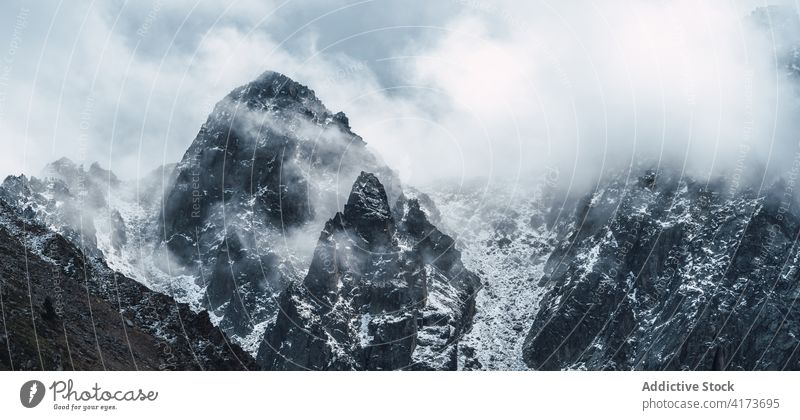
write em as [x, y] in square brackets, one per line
[456, 89]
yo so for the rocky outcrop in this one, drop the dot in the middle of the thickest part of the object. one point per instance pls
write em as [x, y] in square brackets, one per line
[385, 290]
[657, 272]
[669, 273]
[63, 309]
[242, 214]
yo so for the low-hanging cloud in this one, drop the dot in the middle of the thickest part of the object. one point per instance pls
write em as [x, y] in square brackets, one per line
[591, 88]
[462, 89]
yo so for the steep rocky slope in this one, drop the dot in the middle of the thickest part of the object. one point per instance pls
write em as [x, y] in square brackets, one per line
[251, 193]
[63, 309]
[385, 290]
[99, 213]
[669, 273]
[652, 270]
[240, 213]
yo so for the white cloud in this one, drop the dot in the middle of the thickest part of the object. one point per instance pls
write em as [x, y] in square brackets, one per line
[488, 88]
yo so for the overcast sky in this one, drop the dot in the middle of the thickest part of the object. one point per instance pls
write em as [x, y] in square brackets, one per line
[450, 88]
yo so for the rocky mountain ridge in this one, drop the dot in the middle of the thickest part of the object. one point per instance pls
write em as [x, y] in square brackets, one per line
[386, 290]
[667, 273]
[63, 309]
[280, 227]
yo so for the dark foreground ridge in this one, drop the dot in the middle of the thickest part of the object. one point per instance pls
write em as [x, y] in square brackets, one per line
[63, 310]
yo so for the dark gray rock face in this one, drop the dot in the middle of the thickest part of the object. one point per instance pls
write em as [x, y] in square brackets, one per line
[661, 272]
[240, 213]
[226, 163]
[385, 290]
[63, 309]
[668, 273]
[247, 193]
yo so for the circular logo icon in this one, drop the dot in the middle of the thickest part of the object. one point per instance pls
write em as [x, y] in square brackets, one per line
[31, 393]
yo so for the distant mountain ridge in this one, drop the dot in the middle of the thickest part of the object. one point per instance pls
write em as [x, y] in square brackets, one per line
[280, 241]
[240, 212]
